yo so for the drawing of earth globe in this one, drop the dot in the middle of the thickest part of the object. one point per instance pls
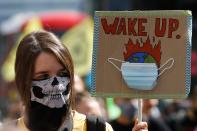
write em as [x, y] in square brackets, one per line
[141, 57]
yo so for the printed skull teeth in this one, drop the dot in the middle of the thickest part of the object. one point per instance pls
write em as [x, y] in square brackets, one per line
[55, 96]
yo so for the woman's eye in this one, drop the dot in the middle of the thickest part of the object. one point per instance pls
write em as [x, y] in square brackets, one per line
[41, 77]
[63, 74]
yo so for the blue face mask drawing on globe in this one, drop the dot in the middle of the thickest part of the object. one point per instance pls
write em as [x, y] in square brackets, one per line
[142, 76]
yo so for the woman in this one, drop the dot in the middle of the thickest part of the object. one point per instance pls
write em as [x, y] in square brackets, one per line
[44, 79]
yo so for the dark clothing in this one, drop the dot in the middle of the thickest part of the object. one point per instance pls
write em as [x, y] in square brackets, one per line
[188, 124]
[156, 124]
[120, 127]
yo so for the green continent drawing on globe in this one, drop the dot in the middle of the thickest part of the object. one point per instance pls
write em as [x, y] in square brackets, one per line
[141, 57]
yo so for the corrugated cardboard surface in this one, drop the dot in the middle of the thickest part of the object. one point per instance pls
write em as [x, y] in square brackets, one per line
[171, 84]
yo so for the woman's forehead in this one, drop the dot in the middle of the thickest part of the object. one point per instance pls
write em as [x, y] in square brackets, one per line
[47, 62]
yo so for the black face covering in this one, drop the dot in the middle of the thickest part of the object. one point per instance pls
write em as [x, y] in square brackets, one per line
[43, 118]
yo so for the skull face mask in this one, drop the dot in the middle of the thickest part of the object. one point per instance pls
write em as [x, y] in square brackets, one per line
[52, 92]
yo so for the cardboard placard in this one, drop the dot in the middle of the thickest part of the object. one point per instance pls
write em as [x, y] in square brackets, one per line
[142, 37]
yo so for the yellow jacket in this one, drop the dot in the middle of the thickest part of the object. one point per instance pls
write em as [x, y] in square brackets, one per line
[79, 123]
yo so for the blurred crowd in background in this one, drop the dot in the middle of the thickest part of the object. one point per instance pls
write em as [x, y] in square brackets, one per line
[72, 22]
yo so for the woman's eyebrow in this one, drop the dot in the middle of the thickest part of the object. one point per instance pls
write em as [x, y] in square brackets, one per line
[63, 69]
[41, 72]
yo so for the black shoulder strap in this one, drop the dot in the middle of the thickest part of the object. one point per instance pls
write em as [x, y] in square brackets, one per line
[101, 126]
[95, 123]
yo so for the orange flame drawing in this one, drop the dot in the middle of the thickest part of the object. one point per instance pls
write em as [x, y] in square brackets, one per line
[132, 48]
